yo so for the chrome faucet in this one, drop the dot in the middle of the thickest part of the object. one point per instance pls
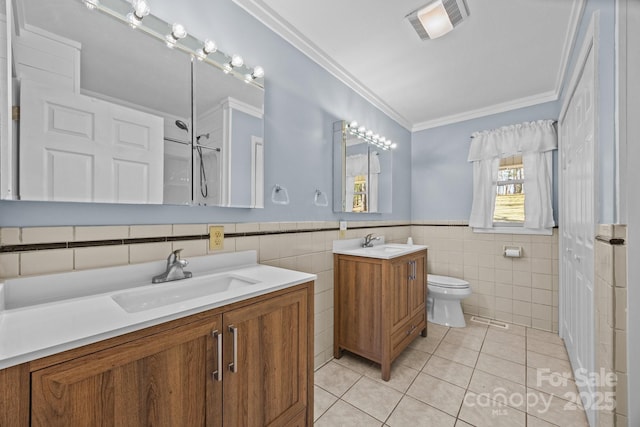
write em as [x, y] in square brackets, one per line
[368, 240]
[174, 270]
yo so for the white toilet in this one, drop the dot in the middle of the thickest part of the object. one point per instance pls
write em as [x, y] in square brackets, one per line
[443, 300]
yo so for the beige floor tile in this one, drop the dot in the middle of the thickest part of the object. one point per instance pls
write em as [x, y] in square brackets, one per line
[411, 412]
[437, 393]
[435, 330]
[336, 379]
[473, 328]
[480, 412]
[465, 339]
[502, 368]
[447, 370]
[496, 388]
[412, 358]
[555, 410]
[401, 376]
[461, 423]
[545, 336]
[322, 400]
[559, 366]
[373, 398]
[543, 379]
[515, 330]
[457, 354]
[428, 344]
[546, 348]
[502, 337]
[505, 351]
[537, 422]
[354, 362]
[343, 414]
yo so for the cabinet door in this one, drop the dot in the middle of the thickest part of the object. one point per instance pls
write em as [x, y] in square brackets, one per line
[265, 351]
[400, 292]
[161, 380]
[418, 286]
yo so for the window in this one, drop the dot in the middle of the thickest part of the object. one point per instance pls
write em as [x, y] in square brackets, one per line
[509, 206]
[360, 194]
[512, 178]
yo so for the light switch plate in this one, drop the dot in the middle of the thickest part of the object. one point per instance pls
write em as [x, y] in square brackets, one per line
[216, 237]
[343, 229]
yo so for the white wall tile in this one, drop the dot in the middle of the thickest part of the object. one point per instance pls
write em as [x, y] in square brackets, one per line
[46, 262]
[46, 235]
[107, 232]
[101, 256]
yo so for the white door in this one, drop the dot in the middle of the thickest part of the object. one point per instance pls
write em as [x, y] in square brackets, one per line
[81, 149]
[577, 227]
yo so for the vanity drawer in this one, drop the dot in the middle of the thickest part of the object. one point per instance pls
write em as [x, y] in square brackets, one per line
[404, 335]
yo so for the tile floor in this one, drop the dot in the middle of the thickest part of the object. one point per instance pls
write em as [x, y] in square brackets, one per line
[474, 376]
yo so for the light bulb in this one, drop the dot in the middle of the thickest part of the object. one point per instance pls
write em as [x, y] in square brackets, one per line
[361, 129]
[178, 31]
[91, 4]
[209, 46]
[258, 72]
[140, 8]
[353, 124]
[394, 145]
[236, 61]
[369, 133]
[387, 142]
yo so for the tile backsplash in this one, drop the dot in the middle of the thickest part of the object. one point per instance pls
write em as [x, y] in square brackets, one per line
[522, 290]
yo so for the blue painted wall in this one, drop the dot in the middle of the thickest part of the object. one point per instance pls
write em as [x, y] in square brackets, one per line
[439, 167]
[302, 101]
[442, 179]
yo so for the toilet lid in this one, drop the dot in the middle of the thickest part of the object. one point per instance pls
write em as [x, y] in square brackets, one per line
[446, 281]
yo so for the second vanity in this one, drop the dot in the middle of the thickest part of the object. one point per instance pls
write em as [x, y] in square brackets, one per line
[379, 299]
[103, 347]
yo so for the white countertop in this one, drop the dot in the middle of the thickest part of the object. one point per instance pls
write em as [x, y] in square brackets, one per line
[379, 250]
[51, 325]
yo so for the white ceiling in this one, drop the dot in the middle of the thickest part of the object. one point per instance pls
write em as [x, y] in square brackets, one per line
[507, 54]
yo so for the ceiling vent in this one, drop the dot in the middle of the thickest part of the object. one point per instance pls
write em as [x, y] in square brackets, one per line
[438, 17]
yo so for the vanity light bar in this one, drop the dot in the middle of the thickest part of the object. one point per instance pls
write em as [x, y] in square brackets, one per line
[138, 17]
[368, 135]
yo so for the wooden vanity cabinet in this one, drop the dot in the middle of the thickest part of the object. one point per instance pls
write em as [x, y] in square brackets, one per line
[379, 305]
[173, 375]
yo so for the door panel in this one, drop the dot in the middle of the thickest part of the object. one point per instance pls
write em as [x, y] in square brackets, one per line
[577, 156]
[62, 132]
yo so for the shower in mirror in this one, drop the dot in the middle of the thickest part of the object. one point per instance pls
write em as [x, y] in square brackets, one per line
[201, 160]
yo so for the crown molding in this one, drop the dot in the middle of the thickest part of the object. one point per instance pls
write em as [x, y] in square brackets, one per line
[263, 13]
[502, 107]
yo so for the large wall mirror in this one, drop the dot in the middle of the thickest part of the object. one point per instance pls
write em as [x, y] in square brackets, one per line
[362, 170]
[109, 113]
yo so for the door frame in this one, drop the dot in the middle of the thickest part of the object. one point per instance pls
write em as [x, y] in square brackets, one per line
[590, 45]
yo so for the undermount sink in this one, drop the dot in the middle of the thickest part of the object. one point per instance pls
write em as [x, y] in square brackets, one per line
[178, 291]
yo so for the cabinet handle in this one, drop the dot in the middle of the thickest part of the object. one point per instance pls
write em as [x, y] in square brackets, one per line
[413, 271]
[217, 374]
[233, 366]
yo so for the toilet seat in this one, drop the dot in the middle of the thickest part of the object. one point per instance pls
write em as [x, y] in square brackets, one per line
[446, 282]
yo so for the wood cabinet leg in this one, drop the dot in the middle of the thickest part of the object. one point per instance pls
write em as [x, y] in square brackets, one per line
[424, 332]
[386, 371]
[337, 352]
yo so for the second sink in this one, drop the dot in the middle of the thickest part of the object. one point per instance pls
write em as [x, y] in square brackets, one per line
[178, 291]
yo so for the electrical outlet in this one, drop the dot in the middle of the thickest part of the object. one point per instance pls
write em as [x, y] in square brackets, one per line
[216, 237]
[343, 229]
